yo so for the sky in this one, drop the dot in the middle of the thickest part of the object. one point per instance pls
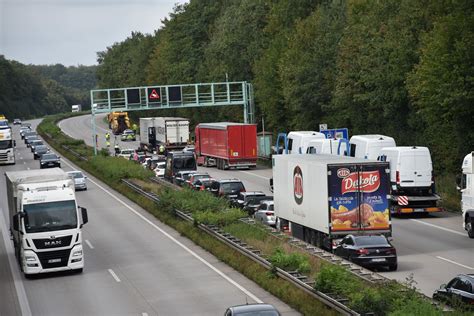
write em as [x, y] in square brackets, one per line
[71, 32]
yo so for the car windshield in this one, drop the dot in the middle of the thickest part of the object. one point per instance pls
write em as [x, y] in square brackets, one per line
[271, 208]
[76, 175]
[41, 148]
[3, 123]
[4, 144]
[371, 240]
[49, 156]
[228, 187]
[49, 216]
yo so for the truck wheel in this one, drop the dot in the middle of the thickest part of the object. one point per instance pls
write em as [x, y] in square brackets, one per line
[470, 228]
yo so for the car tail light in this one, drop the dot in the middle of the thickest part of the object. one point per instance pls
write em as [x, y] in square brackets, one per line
[269, 213]
[398, 177]
[392, 251]
[202, 187]
[363, 251]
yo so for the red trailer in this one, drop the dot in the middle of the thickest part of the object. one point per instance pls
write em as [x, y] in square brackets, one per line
[226, 145]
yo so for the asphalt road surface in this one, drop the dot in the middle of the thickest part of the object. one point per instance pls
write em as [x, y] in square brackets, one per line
[134, 264]
[431, 248]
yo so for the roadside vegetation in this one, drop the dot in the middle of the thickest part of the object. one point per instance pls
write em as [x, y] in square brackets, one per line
[391, 298]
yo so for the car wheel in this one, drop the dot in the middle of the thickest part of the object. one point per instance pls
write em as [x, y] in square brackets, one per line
[470, 228]
[393, 267]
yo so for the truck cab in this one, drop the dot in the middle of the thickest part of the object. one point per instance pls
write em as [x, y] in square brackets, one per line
[45, 221]
[467, 194]
[369, 146]
[7, 144]
[338, 147]
[298, 141]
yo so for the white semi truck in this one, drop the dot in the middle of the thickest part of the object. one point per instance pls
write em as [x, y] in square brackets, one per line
[171, 132]
[467, 194]
[321, 198]
[7, 145]
[45, 221]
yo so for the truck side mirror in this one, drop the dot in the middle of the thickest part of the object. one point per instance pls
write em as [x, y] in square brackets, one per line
[85, 218]
[14, 143]
[16, 221]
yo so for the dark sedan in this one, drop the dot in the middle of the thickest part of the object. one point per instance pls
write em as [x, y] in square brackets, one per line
[35, 143]
[369, 251]
[40, 150]
[459, 292]
[49, 161]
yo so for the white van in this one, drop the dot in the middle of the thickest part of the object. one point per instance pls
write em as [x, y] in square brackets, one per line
[369, 146]
[328, 146]
[467, 194]
[410, 167]
[298, 141]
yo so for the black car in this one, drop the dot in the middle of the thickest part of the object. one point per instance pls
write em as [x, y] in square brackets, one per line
[368, 251]
[177, 161]
[182, 176]
[49, 161]
[29, 133]
[228, 188]
[30, 138]
[244, 197]
[459, 292]
[34, 143]
[253, 204]
[40, 150]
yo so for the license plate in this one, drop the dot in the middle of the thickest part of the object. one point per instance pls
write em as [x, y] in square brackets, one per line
[378, 260]
[419, 210]
[54, 260]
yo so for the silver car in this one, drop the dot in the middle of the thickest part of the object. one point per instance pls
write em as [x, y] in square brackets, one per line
[79, 180]
[265, 213]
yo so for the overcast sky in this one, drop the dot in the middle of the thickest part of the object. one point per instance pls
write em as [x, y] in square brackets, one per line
[71, 32]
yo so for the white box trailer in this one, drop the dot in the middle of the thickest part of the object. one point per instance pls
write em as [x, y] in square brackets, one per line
[171, 132]
[324, 197]
[411, 179]
[45, 221]
[467, 194]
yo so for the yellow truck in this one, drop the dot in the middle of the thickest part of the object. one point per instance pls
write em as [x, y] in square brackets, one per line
[118, 122]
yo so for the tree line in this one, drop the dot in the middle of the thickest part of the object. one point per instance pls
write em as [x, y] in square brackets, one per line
[31, 91]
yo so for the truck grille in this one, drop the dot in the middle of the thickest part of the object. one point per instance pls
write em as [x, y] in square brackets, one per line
[3, 156]
[52, 243]
[54, 259]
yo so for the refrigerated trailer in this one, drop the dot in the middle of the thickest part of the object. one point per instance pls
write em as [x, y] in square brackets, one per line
[322, 198]
[45, 221]
[226, 145]
[171, 132]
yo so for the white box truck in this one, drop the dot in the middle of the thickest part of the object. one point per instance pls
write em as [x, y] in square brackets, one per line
[411, 179]
[467, 194]
[171, 132]
[369, 146]
[45, 221]
[321, 198]
[76, 108]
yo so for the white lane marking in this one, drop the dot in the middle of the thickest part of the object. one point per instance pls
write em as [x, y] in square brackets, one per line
[231, 281]
[456, 263]
[114, 275]
[89, 244]
[20, 289]
[256, 175]
[439, 227]
[144, 314]
[28, 168]
[24, 162]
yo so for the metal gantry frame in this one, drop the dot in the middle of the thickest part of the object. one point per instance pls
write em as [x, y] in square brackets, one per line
[173, 97]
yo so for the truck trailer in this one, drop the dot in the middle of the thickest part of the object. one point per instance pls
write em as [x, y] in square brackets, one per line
[170, 132]
[226, 145]
[45, 221]
[7, 145]
[467, 194]
[322, 198]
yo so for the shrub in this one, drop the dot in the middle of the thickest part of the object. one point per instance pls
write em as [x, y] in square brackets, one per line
[290, 261]
[222, 218]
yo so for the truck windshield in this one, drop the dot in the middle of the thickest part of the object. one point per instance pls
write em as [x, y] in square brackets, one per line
[4, 144]
[50, 216]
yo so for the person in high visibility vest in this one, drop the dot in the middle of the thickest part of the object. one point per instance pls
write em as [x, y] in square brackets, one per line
[162, 149]
[107, 136]
[107, 143]
[135, 128]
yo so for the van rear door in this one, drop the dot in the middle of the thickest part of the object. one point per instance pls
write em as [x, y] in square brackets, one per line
[424, 168]
[415, 168]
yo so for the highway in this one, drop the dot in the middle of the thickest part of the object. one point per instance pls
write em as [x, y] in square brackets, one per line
[134, 264]
[431, 248]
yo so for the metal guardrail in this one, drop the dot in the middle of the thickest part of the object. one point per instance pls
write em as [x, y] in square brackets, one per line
[293, 277]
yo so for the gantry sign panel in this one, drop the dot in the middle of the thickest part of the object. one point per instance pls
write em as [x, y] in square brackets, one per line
[175, 96]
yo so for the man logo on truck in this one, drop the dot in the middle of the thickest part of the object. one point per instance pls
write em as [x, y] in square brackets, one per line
[298, 185]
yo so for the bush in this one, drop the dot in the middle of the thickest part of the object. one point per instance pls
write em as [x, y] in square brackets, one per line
[290, 261]
[115, 169]
[222, 218]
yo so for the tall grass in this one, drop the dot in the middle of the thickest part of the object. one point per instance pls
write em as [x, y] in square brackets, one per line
[446, 188]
